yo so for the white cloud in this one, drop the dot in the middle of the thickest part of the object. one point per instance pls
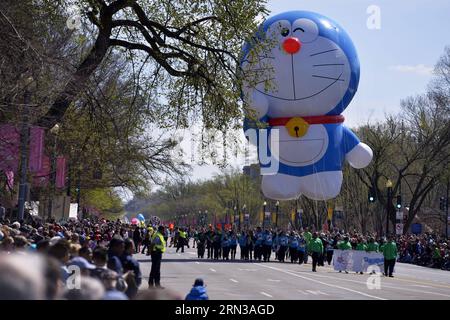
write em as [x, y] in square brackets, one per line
[419, 69]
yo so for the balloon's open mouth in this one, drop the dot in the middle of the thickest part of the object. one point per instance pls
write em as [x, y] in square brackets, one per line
[302, 151]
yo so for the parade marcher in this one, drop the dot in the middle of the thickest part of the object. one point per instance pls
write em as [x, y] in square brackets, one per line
[157, 248]
[217, 243]
[259, 242]
[181, 240]
[322, 257]
[201, 242]
[307, 236]
[361, 246]
[250, 245]
[209, 242]
[390, 255]
[267, 246]
[225, 244]
[372, 246]
[345, 245]
[316, 249]
[293, 245]
[233, 245]
[301, 249]
[283, 245]
[329, 249]
[243, 245]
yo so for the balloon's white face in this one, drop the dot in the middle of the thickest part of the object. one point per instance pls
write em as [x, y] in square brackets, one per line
[309, 82]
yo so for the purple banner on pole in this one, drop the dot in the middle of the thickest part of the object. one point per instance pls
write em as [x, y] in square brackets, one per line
[36, 148]
[41, 178]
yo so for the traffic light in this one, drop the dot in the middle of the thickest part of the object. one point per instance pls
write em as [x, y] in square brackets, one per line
[399, 202]
[442, 203]
[372, 194]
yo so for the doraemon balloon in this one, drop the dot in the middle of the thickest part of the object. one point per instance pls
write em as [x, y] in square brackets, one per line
[310, 74]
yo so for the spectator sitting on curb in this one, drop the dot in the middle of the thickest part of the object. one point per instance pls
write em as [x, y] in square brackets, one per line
[198, 291]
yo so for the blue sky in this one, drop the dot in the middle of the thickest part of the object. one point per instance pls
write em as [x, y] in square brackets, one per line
[396, 60]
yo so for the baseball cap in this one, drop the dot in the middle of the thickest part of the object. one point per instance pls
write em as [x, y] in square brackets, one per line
[82, 263]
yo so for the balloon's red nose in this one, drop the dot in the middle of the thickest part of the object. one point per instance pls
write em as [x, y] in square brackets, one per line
[292, 45]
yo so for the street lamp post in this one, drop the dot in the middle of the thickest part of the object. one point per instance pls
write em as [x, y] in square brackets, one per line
[277, 205]
[388, 204]
[244, 212]
[264, 214]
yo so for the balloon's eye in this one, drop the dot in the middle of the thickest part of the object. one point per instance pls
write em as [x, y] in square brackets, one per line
[284, 32]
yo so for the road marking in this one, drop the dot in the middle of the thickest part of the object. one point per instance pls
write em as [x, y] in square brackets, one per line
[247, 269]
[191, 252]
[420, 286]
[273, 280]
[179, 254]
[326, 284]
[302, 292]
[197, 262]
[313, 292]
[383, 285]
[266, 294]
[235, 281]
[212, 269]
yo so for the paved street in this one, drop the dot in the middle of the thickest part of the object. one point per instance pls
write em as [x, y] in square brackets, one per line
[247, 280]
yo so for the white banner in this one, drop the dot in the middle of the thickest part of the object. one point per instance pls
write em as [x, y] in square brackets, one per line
[357, 261]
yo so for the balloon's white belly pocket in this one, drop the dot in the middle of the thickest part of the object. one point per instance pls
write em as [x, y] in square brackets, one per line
[302, 151]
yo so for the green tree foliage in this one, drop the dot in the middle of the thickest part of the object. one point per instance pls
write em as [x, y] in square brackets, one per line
[104, 200]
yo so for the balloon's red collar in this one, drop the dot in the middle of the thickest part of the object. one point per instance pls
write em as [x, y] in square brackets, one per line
[310, 120]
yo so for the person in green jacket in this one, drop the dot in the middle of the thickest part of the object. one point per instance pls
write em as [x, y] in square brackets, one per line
[372, 246]
[316, 248]
[307, 236]
[344, 245]
[361, 246]
[390, 255]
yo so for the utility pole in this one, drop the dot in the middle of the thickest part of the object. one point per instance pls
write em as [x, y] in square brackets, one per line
[54, 131]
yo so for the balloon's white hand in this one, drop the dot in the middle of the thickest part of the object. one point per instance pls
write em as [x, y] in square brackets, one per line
[360, 156]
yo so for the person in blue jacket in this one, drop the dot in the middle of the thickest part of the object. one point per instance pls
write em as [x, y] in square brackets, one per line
[259, 242]
[268, 242]
[283, 244]
[301, 249]
[293, 245]
[243, 245]
[233, 244]
[225, 247]
[198, 291]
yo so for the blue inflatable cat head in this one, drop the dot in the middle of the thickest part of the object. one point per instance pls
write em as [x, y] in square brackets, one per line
[309, 67]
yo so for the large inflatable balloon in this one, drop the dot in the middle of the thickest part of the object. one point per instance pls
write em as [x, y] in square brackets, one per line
[141, 217]
[300, 73]
[134, 221]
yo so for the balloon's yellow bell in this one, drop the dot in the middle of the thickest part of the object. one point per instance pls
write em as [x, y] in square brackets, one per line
[297, 127]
